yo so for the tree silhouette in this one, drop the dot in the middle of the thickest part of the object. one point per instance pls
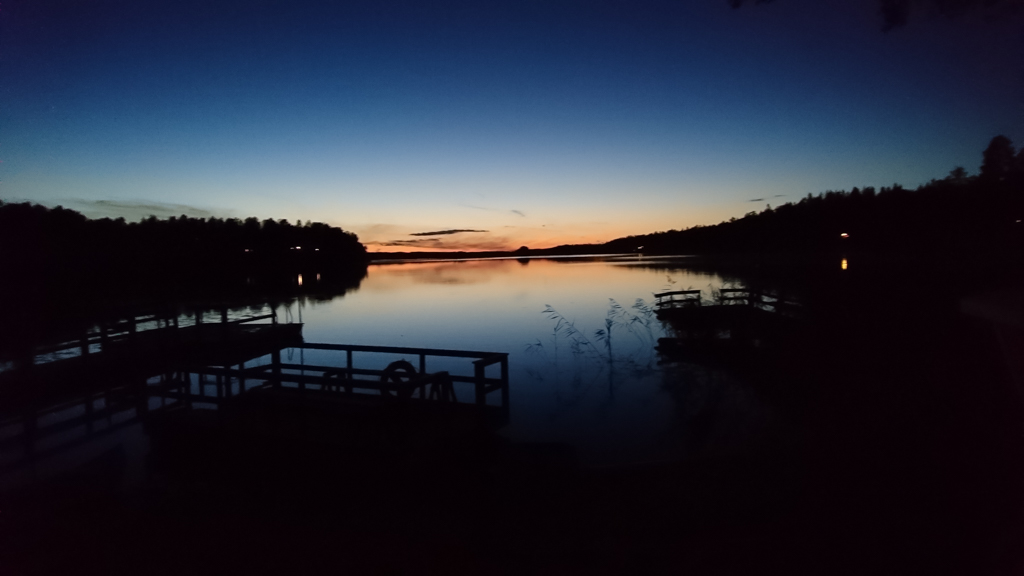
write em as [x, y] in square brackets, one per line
[998, 159]
[957, 174]
[896, 13]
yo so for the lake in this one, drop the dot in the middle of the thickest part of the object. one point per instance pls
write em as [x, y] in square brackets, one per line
[563, 388]
[860, 419]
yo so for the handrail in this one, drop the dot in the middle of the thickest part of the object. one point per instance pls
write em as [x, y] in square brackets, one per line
[400, 350]
[675, 292]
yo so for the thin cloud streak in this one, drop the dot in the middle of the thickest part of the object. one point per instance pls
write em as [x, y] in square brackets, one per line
[502, 210]
[489, 244]
[443, 232]
[130, 210]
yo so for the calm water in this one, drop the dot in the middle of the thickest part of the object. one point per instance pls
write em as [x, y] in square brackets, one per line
[616, 406]
[563, 388]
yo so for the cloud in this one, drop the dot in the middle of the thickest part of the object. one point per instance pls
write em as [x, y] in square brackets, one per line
[424, 242]
[135, 210]
[443, 232]
[485, 244]
[516, 212]
[762, 199]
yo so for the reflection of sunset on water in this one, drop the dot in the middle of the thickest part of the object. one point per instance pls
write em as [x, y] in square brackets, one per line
[498, 305]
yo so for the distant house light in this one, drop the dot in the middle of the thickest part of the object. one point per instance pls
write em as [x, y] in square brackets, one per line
[639, 247]
[316, 249]
[845, 235]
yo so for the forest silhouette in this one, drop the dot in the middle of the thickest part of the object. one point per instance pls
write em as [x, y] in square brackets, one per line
[61, 269]
[957, 213]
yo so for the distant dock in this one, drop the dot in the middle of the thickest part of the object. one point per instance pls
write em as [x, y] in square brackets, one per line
[253, 377]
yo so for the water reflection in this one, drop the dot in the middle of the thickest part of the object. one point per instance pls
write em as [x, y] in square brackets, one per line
[589, 377]
[843, 264]
[580, 333]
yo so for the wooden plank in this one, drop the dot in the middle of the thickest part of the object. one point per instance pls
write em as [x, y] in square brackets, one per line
[250, 319]
[398, 350]
[677, 292]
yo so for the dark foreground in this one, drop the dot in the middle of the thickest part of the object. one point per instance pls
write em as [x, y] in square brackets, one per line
[899, 450]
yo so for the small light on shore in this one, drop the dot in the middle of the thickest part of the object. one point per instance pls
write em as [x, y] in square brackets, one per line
[843, 265]
[845, 235]
[300, 278]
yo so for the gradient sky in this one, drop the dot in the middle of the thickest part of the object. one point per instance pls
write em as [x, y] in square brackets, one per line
[529, 123]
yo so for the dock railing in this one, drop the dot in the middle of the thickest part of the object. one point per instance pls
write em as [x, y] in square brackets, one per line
[409, 376]
[125, 329]
[677, 299]
[766, 300]
[41, 431]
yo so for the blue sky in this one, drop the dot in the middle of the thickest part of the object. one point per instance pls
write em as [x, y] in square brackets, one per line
[539, 123]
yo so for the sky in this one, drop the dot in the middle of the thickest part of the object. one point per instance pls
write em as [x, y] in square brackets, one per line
[491, 125]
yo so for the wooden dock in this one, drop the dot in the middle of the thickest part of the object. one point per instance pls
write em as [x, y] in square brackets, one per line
[736, 323]
[352, 387]
[121, 351]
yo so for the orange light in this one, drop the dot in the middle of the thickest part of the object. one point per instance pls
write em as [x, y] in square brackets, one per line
[300, 277]
[843, 265]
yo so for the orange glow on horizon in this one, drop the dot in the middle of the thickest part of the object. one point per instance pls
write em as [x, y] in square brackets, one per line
[485, 245]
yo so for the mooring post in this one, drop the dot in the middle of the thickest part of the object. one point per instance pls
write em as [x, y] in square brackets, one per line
[85, 343]
[479, 372]
[275, 361]
[504, 384]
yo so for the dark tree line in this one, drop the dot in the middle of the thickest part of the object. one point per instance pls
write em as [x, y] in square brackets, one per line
[57, 265]
[896, 13]
[959, 213]
[57, 246]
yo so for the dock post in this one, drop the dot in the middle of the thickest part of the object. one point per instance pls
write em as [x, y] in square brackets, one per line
[275, 361]
[479, 371]
[85, 343]
[504, 385]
